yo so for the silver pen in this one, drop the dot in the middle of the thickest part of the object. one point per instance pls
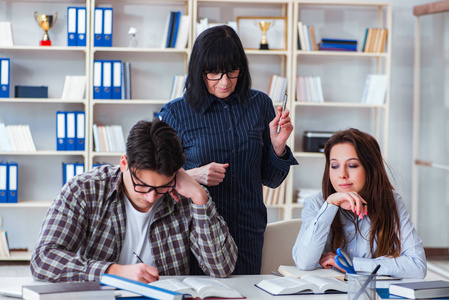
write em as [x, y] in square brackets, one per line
[284, 104]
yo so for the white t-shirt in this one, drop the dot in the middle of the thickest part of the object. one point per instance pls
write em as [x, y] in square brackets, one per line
[137, 237]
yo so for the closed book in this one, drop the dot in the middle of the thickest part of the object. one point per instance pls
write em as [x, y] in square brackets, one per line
[421, 289]
[72, 291]
[341, 41]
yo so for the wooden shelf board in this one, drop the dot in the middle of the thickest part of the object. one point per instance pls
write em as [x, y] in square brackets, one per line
[40, 100]
[18, 256]
[337, 104]
[341, 53]
[27, 204]
[47, 153]
[131, 101]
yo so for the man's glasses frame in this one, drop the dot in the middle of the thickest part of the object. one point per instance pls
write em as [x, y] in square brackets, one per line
[213, 75]
[168, 188]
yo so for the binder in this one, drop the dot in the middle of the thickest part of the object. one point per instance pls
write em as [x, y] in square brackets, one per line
[13, 172]
[4, 77]
[97, 79]
[71, 130]
[81, 27]
[107, 78]
[174, 36]
[107, 27]
[80, 131]
[71, 26]
[68, 172]
[170, 28]
[60, 131]
[98, 27]
[3, 182]
[79, 169]
[116, 79]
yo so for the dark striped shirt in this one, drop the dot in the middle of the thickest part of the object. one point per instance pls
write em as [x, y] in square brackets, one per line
[238, 134]
[84, 230]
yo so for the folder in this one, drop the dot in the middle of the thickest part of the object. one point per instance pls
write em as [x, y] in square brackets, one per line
[13, 172]
[68, 172]
[171, 24]
[107, 27]
[71, 130]
[97, 79]
[175, 29]
[116, 79]
[3, 182]
[107, 78]
[80, 131]
[71, 26]
[4, 78]
[98, 27]
[60, 131]
[79, 169]
[81, 27]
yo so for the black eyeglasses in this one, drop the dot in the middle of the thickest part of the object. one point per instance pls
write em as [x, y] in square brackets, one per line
[145, 188]
[214, 75]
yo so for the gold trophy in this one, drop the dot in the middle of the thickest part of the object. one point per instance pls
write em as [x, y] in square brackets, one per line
[264, 25]
[46, 22]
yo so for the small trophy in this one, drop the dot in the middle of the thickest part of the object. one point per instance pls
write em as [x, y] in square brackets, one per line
[45, 22]
[132, 31]
[264, 25]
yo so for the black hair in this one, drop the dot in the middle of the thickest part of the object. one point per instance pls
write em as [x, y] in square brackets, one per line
[216, 49]
[154, 145]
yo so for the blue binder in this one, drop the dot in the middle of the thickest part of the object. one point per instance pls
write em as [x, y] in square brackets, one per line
[71, 26]
[107, 27]
[68, 172]
[171, 24]
[60, 131]
[107, 80]
[4, 77]
[79, 169]
[98, 27]
[175, 31]
[81, 26]
[98, 66]
[70, 121]
[80, 131]
[3, 182]
[117, 79]
[13, 171]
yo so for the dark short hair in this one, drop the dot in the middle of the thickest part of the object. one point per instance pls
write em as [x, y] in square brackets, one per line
[216, 49]
[154, 145]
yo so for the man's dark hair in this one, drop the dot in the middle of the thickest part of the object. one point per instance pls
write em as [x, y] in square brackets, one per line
[154, 145]
[216, 49]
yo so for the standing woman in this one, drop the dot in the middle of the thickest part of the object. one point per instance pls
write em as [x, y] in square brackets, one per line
[358, 211]
[230, 139]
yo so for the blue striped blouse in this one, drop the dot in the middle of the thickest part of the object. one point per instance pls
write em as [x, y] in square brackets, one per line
[238, 134]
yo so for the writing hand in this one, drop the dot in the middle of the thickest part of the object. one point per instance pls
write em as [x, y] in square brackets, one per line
[350, 201]
[327, 261]
[278, 140]
[139, 272]
[210, 174]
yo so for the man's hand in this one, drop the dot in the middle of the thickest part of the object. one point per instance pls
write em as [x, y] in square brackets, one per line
[138, 272]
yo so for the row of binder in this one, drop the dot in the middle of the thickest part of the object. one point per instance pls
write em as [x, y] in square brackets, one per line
[4, 77]
[8, 182]
[108, 79]
[70, 130]
[103, 27]
[76, 26]
[70, 170]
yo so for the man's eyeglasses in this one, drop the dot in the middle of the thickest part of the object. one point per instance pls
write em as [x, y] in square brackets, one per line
[219, 75]
[145, 188]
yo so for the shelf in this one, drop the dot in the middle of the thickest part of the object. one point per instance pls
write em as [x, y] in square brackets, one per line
[143, 50]
[27, 204]
[47, 153]
[265, 52]
[338, 104]
[342, 53]
[308, 154]
[132, 101]
[107, 154]
[44, 48]
[17, 256]
[40, 100]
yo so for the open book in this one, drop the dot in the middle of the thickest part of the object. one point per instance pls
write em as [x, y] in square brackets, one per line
[198, 287]
[307, 284]
[292, 271]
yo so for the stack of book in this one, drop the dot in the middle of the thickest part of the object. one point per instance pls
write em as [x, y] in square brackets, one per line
[375, 39]
[277, 88]
[306, 37]
[338, 45]
[274, 196]
[4, 247]
[375, 89]
[176, 30]
[177, 86]
[309, 89]
[16, 138]
[108, 138]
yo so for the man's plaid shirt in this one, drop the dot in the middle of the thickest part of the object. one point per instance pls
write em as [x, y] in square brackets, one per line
[84, 229]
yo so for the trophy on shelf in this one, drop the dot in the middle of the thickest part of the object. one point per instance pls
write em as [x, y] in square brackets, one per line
[45, 22]
[264, 25]
[132, 31]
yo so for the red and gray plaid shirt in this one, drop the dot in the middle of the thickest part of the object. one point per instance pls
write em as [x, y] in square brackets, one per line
[84, 230]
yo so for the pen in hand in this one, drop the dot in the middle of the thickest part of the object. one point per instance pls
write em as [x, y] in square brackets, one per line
[138, 258]
[284, 103]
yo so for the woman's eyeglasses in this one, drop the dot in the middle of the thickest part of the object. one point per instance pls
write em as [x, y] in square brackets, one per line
[219, 75]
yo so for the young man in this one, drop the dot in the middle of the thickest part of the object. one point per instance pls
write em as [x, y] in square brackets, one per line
[138, 220]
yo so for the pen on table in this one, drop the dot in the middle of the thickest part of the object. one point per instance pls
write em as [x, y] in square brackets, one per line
[284, 103]
[138, 258]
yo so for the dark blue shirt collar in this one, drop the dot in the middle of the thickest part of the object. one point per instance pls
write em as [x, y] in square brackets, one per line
[233, 98]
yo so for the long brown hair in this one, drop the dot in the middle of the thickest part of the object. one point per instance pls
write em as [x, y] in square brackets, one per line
[377, 192]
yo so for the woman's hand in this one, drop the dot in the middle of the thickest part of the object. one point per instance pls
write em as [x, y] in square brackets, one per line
[187, 186]
[349, 201]
[210, 174]
[278, 140]
[327, 261]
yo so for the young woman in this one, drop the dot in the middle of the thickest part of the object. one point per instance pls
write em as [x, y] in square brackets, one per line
[358, 211]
